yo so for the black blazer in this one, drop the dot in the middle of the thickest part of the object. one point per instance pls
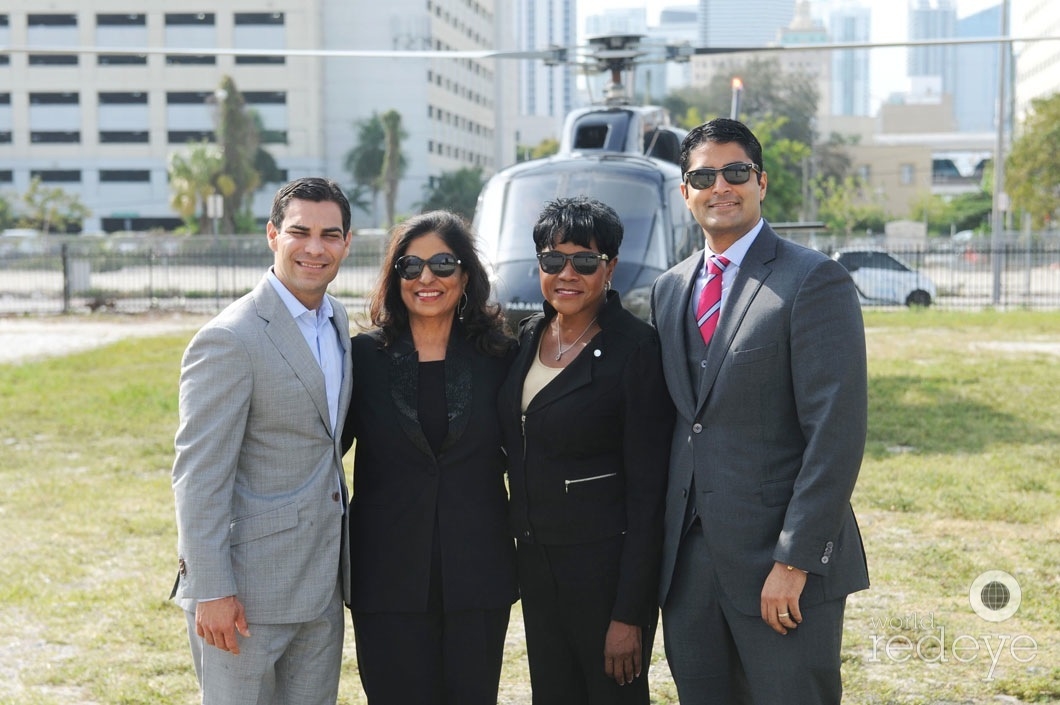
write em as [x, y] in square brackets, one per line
[593, 461]
[402, 491]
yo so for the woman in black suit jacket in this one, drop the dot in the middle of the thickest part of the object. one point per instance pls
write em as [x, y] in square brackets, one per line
[433, 567]
[587, 421]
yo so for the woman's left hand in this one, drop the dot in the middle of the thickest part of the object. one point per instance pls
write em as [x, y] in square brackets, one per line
[622, 654]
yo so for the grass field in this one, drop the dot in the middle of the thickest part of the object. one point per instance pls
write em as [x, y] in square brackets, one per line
[961, 476]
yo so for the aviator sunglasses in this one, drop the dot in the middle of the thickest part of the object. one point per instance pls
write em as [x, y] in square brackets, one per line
[735, 174]
[442, 264]
[553, 262]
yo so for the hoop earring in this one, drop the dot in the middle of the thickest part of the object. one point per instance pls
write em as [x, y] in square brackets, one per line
[461, 306]
[607, 286]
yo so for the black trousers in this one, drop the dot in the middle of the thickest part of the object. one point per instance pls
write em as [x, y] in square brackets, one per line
[567, 594]
[431, 658]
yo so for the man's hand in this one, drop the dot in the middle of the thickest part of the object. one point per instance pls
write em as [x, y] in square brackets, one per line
[780, 597]
[217, 621]
[622, 652]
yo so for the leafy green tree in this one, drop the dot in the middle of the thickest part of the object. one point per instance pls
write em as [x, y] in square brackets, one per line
[1032, 169]
[456, 191]
[364, 161]
[783, 159]
[239, 138]
[194, 174]
[545, 148]
[45, 208]
[7, 213]
[394, 162]
[768, 93]
[845, 207]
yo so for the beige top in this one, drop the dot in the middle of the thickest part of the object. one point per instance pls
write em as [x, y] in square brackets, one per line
[537, 377]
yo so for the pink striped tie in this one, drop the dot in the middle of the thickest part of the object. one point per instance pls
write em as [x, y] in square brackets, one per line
[710, 300]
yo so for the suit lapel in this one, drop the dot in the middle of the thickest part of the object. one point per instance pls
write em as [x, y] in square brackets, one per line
[670, 319]
[282, 330]
[753, 272]
[576, 375]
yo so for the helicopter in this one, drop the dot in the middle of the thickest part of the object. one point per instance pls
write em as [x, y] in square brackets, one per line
[622, 154]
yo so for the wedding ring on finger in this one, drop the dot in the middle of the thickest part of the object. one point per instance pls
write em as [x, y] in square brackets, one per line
[783, 615]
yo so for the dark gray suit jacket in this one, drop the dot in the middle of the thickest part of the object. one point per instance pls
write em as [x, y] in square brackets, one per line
[775, 431]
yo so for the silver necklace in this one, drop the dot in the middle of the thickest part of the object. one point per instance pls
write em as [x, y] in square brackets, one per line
[560, 350]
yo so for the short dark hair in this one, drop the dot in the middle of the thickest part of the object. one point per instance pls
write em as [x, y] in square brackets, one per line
[722, 130]
[482, 321]
[579, 220]
[310, 188]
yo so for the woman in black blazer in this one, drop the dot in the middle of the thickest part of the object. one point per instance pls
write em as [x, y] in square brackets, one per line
[587, 422]
[433, 566]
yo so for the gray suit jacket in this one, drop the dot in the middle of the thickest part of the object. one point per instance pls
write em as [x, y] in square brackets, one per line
[258, 478]
[775, 430]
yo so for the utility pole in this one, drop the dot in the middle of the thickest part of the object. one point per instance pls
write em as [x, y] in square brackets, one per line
[1000, 198]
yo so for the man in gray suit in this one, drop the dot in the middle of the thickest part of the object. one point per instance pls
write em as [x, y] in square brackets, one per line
[258, 479]
[764, 354]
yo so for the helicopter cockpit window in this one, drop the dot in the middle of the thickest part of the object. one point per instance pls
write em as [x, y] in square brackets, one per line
[636, 200]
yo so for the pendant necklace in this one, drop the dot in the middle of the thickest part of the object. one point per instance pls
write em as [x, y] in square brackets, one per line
[560, 350]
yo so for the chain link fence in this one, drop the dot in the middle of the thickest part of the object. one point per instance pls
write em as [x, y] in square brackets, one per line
[56, 274]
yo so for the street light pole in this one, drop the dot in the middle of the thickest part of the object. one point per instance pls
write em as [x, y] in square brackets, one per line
[737, 89]
[1000, 198]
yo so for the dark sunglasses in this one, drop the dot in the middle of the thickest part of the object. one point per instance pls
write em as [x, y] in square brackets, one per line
[735, 174]
[553, 262]
[442, 264]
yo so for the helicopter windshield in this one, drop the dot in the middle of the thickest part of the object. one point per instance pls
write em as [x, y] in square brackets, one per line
[636, 200]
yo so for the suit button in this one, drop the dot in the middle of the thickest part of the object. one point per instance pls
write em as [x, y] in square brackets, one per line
[335, 496]
[697, 428]
[703, 364]
[824, 559]
[684, 492]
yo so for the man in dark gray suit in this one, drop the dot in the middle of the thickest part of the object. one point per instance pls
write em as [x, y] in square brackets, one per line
[258, 479]
[764, 353]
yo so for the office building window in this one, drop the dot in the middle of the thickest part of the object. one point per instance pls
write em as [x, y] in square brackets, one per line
[65, 98]
[189, 31]
[259, 30]
[908, 174]
[110, 176]
[124, 30]
[4, 38]
[5, 118]
[137, 98]
[51, 30]
[124, 136]
[185, 136]
[7, 176]
[57, 176]
[55, 137]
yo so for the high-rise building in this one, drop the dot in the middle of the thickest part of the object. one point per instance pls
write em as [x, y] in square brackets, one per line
[725, 23]
[1037, 63]
[102, 125]
[546, 93]
[933, 69]
[850, 22]
[975, 94]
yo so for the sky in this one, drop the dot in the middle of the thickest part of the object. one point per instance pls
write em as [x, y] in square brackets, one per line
[887, 66]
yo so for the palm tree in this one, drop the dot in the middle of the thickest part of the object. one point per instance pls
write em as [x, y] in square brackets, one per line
[393, 160]
[364, 161]
[193, 175]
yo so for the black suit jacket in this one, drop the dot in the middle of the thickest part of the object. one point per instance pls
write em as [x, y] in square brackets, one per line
[593, 462]
[403, 492]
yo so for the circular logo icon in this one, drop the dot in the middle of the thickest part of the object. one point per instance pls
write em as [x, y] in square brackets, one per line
[995, 595]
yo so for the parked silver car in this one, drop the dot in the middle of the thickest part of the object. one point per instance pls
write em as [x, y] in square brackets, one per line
[882, 278]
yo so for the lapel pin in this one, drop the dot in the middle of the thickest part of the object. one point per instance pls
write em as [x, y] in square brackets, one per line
[597, 353]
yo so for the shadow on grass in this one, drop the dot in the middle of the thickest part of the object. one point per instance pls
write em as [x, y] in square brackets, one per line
[932, 416]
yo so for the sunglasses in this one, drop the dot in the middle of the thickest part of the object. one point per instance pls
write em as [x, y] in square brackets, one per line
[553, 262]
[442, 264]
[735, 174]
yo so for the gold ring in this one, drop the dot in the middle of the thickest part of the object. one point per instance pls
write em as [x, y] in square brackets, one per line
[783, 614]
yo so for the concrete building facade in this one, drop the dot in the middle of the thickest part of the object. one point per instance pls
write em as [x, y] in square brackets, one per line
[102, 125]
